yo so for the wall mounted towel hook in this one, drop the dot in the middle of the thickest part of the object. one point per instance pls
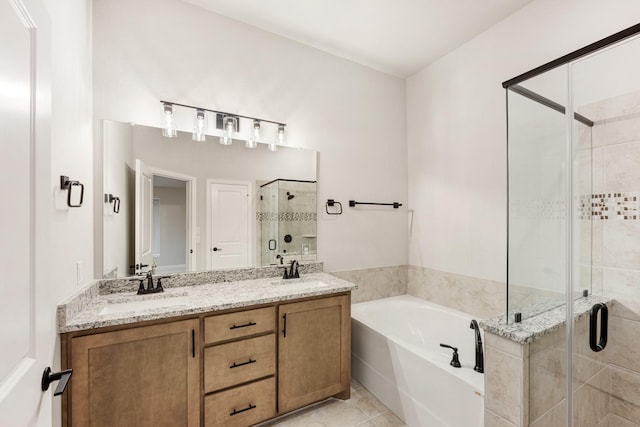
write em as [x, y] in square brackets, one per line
[110, 198]
[333, 203]
[67, 184]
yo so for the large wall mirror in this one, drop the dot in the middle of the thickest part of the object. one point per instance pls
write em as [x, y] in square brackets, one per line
[178, 205]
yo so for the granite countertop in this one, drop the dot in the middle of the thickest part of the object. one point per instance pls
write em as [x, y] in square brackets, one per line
[541, 324]
[83, 310]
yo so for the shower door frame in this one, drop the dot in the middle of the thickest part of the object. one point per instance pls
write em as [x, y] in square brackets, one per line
[513, 86]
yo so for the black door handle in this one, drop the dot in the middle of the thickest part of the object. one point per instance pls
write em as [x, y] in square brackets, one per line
[216, 249]
[62, 376]
[595, 343]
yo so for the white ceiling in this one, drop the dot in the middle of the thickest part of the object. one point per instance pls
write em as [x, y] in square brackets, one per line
[399, 37]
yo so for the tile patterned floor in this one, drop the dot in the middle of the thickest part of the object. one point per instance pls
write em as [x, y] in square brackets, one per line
[362, 410]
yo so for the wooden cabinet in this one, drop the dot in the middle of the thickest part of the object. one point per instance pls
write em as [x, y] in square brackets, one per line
[236, 368]
[238, 362]
[314, 353]
[145, 376]
[241, 406]
[240, 368]
[239, 324]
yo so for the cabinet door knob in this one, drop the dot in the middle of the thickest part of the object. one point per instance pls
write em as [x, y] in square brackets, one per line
[216, 249]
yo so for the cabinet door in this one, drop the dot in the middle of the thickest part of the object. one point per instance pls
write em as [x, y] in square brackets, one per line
[147, 376]
[314, 351]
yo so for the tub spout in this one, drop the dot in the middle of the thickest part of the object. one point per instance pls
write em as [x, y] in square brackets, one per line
[479, 367]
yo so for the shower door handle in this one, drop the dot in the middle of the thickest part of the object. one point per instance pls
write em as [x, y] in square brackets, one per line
[595, 343]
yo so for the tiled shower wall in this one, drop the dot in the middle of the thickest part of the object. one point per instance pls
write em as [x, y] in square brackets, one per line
[525, 384]
[296, 217]
[616, 246]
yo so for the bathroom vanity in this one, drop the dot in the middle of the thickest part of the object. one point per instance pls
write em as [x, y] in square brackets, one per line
[226, 354]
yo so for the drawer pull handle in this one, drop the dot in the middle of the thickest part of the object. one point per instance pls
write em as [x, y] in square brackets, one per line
[243, 326]
[237, 365]
[248, 408]
[284, 326]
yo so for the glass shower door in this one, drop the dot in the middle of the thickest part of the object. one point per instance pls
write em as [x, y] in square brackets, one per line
[268, 217]
[574, 230]
[538, 233]
[537, 196]
[606, 89]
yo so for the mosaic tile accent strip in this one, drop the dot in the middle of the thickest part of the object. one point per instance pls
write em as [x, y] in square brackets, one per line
[607, 206]
[549, 209]
[286, 216]
[603, 206]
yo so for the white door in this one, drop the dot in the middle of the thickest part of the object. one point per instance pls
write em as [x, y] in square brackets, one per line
[144, 218]
[229, 225]
[26, 312]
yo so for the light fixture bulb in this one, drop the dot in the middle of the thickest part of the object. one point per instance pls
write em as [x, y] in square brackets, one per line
[281, 136]
[254, 135]
[273, 147]
[200, 126]
[168, 124]
[229, 127]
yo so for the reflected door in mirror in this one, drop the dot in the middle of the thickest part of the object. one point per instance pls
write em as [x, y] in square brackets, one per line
[230, 225]
[144, 217]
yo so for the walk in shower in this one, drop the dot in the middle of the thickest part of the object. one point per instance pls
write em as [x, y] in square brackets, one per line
[574, 229]
[287, 220]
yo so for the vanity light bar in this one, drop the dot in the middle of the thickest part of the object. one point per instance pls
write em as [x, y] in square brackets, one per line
[224, 113]
[229, 123]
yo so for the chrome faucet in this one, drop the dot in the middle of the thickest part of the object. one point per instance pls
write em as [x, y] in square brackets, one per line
[479, 367]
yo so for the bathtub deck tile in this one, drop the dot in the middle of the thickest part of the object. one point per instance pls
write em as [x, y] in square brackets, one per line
[541, 324]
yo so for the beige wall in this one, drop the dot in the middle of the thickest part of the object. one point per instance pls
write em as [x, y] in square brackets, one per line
[456, 130]
[479, 297]
[151, 50]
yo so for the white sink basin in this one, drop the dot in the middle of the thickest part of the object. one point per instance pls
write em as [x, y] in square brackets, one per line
[130, 306]
[305, 282]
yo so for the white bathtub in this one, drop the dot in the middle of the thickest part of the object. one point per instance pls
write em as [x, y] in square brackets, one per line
[396, 355]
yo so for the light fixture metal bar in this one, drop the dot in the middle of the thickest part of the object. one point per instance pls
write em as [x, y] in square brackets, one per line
[222, 112]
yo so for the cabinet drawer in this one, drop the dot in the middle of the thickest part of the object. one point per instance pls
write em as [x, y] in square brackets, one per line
[237, 325]
[229, 364]
[241, 406]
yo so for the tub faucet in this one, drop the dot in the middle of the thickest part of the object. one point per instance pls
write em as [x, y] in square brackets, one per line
[479, 354]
